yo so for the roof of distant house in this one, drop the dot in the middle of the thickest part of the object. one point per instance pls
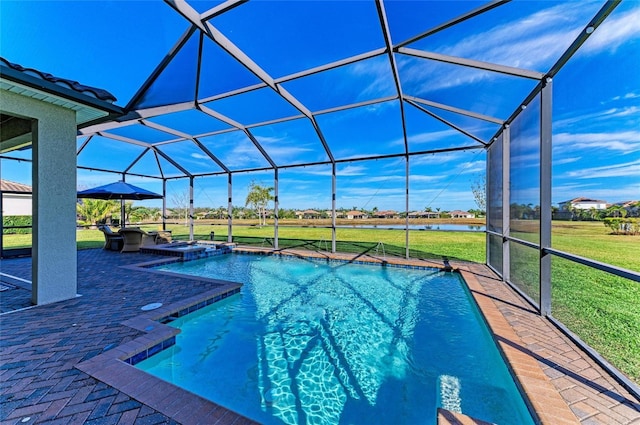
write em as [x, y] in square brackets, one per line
[582, 199]
[9, 186]
[459, 212]
[626, 203]
[354, 212]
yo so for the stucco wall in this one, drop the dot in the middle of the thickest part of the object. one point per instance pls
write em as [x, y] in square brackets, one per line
[54, 273]
[16, 204]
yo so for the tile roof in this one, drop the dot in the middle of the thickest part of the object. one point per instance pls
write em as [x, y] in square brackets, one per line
[9, 186]
[70, 84]
[582, 199]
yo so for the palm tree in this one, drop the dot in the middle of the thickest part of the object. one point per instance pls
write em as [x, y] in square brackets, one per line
[259, 197]
[616, 211]
[222, 212]
[95, 210]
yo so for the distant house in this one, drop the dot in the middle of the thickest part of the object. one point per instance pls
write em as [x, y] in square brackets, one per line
[424, 214]
[582, 204]
[329, 214]
[632, 207]
[385, 214]
[461, 214]
[206, 215]
[308, 214]
[355, 215]
[16, 198]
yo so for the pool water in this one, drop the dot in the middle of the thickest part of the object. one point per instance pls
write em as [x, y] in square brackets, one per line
[310, 342]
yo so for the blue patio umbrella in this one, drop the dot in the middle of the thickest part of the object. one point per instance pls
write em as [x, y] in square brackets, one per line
[119, 190]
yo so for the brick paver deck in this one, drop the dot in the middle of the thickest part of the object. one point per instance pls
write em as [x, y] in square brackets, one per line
[44, 348]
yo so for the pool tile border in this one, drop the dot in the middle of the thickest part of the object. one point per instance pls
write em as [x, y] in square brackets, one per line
[115, 366]
[344, 258]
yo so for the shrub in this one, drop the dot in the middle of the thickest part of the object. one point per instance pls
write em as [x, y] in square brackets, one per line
[16, 220]
[623, 225]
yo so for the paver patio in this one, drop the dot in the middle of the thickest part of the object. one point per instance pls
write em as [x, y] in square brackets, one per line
[40, 348]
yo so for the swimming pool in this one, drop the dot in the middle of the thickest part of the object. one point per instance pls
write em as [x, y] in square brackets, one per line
[336, 343]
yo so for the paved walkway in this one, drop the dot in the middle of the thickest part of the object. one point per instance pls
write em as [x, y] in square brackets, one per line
[41, 346]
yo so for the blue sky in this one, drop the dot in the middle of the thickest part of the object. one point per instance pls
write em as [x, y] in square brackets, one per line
[115, 45]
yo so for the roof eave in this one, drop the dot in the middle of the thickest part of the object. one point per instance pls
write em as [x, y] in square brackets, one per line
[60, 91]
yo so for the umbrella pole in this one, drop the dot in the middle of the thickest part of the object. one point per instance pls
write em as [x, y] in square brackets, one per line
[122, 217]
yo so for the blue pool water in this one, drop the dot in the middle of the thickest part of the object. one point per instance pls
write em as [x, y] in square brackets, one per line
[309, 342]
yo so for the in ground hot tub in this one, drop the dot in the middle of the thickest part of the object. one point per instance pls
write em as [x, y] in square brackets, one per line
[189, 250]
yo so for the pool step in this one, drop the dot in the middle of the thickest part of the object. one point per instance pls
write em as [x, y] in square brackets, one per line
[447, 417]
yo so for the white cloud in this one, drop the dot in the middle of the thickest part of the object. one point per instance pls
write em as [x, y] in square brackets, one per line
[471, 167]
[623, 142]
[531, 42]
[610, 194]
[285, 149]
[629, 95]
[377, 71]
[615, 170]
[601, 116]
[543, 36]
[433, 136]
[624, 112]
[615, 31]
[371, 192]
[383, 179]
[566, 160]
[343, 171]
[414, 179]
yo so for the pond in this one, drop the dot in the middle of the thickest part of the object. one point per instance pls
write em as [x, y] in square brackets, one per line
[439, 226]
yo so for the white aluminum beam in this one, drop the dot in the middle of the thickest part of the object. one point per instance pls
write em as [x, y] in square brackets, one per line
[455, 127]
[220, 9]
[455, 110]
[382, 16]
[454, 21]
[356, 105]
[332, 65]
[124, 139]
[134, 117]
[472, 63]
[172, 162]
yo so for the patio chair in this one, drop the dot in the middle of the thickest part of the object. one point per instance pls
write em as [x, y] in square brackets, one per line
[112, 240]
[134, 238]
[164, 237]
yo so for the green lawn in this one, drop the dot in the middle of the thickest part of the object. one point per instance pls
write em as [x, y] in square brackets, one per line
[602, 309]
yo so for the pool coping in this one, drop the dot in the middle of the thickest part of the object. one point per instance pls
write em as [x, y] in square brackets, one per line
[114, 367]
[538, 391]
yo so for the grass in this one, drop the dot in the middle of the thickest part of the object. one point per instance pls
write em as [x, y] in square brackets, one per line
[593, 240]
[603, 310]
